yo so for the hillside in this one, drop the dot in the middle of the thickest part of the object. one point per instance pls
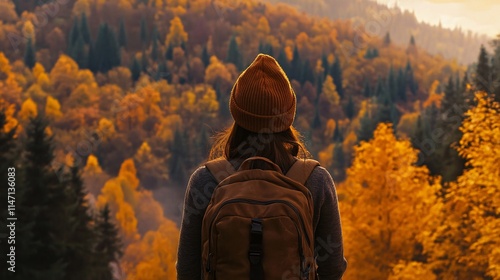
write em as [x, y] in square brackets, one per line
[401, 25]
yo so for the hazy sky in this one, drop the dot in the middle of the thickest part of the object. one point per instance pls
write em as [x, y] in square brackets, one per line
[482, 16]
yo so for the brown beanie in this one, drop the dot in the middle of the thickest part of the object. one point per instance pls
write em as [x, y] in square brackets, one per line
[262, 99]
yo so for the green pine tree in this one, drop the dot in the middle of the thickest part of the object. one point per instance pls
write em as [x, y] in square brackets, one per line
[144, 32]
[336, 73]
[316, 123]
[122, 34]
[79, 255]
[107, 49]
[135, 69]
[205, 56]
[29, 54]
[482, 79]
[84, 29]
[349, 108]
[387, 39]
[233, 54]
[109, 247]
[367, 127]
[73, 36]
[43, 204]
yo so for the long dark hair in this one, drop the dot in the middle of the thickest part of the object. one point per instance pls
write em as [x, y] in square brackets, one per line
[237, 144]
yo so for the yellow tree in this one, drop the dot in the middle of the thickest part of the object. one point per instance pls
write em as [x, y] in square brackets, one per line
[330, 91]
[29, 31]
[28, 110]
[217, 73]
[176, 35]
[64, 77]
[388, 205]
[5, 68]
[53, 108]
[468, 242]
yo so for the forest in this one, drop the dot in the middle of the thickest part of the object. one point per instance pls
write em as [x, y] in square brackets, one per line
[107, 107]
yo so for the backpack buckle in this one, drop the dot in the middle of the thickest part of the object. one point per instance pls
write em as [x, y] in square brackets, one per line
[255, 250]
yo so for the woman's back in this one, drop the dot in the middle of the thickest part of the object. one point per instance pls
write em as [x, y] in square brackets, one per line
[263, 106]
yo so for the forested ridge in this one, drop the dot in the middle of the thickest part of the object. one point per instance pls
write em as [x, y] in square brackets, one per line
[399, 24]
[108, 106]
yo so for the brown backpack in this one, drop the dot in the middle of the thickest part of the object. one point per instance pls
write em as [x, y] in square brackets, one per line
[259, 223]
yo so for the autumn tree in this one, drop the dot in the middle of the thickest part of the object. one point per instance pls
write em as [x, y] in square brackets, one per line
[176, 35]
[388, 205]
[28, 110]
[467, 242]
[330, 91]
[53, 108]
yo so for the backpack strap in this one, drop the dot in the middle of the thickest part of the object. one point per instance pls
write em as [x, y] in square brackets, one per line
[301, 170]
[220, 168]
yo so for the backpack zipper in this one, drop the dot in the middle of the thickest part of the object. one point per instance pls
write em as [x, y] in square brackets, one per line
[252, 201]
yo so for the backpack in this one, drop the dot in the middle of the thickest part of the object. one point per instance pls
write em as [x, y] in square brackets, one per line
[259, 223]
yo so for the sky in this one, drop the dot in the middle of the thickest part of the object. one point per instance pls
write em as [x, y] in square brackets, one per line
[481, 16]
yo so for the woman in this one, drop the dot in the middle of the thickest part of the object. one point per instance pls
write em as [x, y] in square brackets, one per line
[263, 105]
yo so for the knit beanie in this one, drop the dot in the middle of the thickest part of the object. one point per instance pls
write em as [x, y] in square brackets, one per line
[262, 99]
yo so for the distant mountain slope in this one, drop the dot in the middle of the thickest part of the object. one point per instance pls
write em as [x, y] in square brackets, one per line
[380, 19]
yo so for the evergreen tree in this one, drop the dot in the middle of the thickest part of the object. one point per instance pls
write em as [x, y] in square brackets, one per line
[307, 73]
[108, 246]
[410, 79]
[349, 108]
[482, 80]
[392, 85]
[339, 162]
[169, 55]
[154, 49]
[412, 41]
[336, 73]
[205, 57]
[177, 164]
[326, 65]
[91, 59]
[453, 106]
[144, 61]
[316, 123]
[135, 69]
[380, 91]
[285, 64]
[387, 39]
[78, 52]
[296, 65]
[107, 49]
[367, 92]
[122, 34]
[367, 127]
[84, 29]
[496, 69]
[233, 54]
[401, 85]
[337, 135]
[144, 32]
[73, 36]
[43, 204]
[29, 54]
[80, 244]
